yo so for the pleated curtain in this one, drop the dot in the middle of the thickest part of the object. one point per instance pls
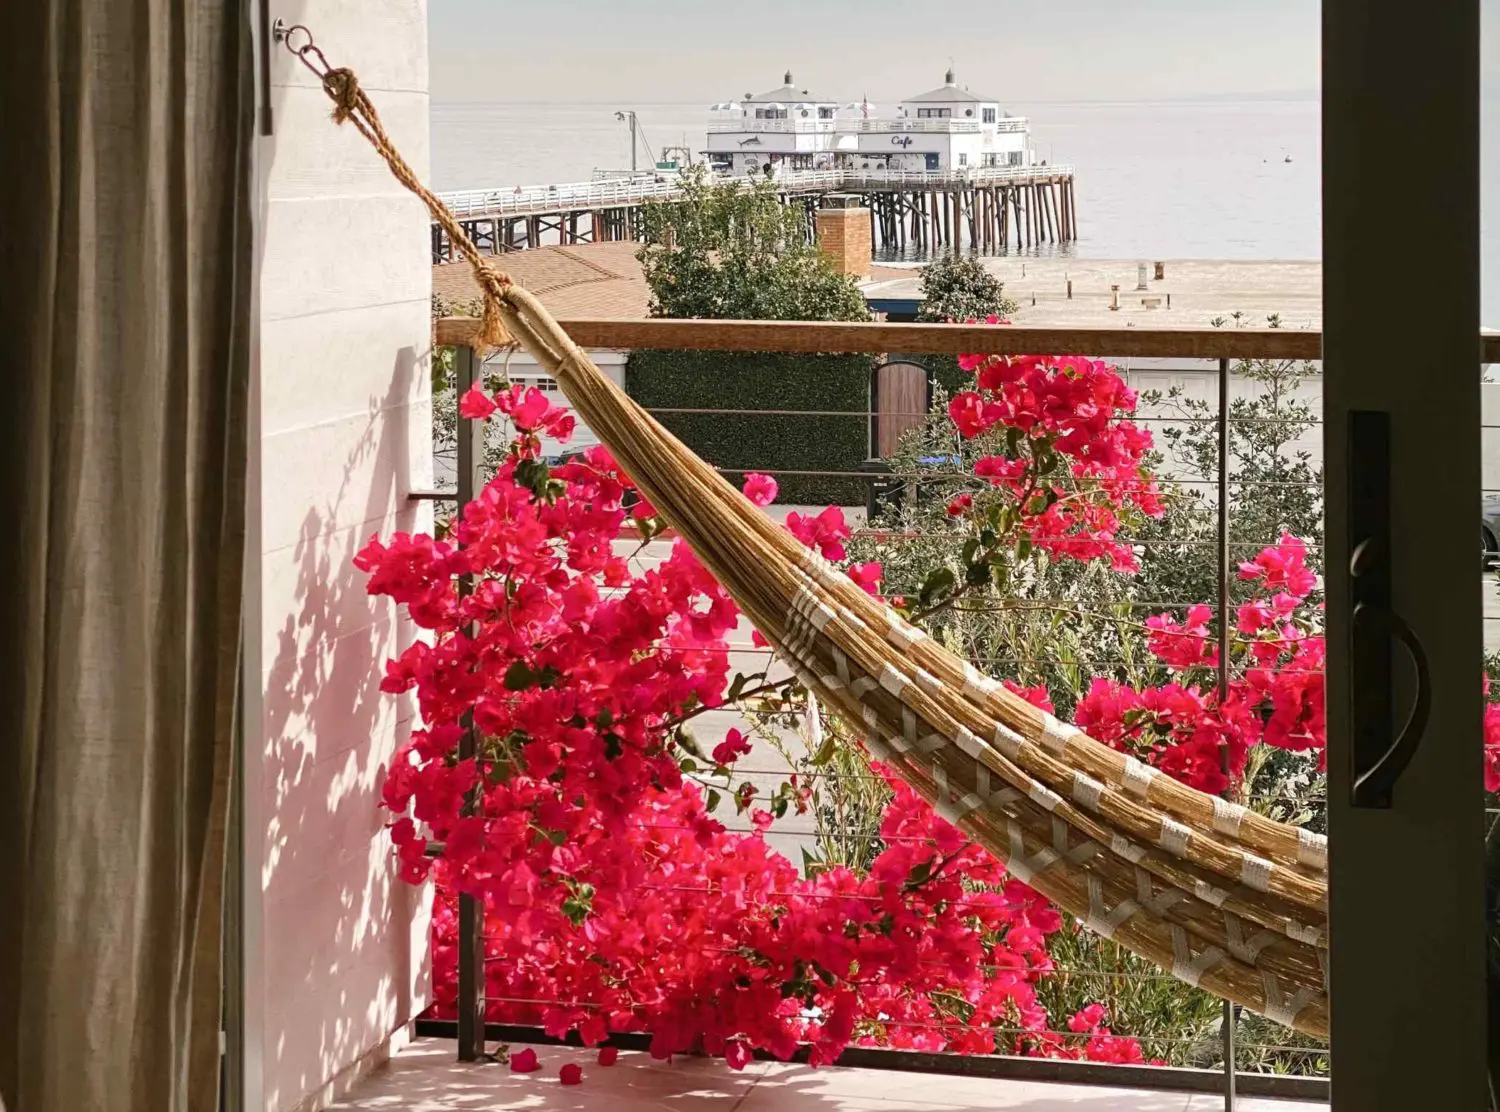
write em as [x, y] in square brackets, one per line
[125, 130]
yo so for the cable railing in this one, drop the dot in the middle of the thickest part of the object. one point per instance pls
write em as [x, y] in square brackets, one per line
[1254, 1058]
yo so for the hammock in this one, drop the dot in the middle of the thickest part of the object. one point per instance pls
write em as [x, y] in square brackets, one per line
[1224, 898]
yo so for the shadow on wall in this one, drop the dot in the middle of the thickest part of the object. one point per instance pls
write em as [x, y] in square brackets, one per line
[338, 930]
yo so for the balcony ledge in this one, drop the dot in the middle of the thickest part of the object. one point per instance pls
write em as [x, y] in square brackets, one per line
[425, 1077]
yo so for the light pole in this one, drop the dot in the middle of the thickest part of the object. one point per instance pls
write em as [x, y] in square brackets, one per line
[623, 116]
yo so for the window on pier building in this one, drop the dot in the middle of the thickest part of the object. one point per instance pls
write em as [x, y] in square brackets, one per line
[989, 115]
[934, 113]
[963, 160]
[770, 113]
[825, 113]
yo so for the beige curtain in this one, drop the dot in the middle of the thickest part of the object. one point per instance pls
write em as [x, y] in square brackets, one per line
[124, 305]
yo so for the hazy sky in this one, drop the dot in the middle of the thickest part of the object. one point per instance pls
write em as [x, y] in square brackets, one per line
[654, 51]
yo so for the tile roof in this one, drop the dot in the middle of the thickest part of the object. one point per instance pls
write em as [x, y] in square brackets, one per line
[588, 280]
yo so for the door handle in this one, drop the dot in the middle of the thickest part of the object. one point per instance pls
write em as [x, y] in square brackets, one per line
[1379, 754]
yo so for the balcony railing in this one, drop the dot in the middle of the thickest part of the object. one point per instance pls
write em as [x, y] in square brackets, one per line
[788, 126]
[1221, 348]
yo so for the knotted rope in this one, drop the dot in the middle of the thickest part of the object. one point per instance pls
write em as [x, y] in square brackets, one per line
[351, 105]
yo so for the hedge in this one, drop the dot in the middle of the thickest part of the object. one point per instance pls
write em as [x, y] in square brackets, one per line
[754, 380]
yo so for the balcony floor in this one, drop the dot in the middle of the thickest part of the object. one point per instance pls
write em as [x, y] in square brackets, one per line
[426, 1078]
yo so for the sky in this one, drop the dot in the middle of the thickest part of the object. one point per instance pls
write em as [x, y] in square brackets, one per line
[626, 52]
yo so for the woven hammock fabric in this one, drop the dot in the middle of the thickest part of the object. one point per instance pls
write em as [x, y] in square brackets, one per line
[1222, 897]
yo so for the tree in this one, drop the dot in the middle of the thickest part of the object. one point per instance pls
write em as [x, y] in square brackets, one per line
[959, 288]
[733, 251]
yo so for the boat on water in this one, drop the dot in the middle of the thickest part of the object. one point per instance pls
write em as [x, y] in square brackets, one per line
[949, 128]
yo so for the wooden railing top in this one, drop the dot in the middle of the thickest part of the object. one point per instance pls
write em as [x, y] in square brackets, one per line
[930, 339]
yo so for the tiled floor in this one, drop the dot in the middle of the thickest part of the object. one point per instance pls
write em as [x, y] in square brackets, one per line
[426, 1078]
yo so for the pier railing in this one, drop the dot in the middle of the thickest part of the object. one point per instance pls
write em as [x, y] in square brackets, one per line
[472, 204]
[943, 126]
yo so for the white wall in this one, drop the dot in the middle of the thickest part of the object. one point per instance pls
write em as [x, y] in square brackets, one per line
[335, 943]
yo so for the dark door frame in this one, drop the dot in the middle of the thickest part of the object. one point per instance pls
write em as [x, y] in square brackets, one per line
[1406, 882]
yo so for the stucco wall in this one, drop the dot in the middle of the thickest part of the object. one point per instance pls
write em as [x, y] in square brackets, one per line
[335, 942]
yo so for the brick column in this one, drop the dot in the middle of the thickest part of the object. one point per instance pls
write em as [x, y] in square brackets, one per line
[844, 235]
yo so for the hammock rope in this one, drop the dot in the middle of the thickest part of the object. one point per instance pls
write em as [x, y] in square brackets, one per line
[1224, 898]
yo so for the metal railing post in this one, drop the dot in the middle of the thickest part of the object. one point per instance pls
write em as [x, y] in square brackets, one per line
[470, 438]
[1231, 1014]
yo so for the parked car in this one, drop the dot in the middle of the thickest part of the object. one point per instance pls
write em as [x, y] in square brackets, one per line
[1489, 532]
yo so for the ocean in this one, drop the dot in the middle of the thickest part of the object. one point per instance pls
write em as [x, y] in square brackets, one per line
[1164, 180]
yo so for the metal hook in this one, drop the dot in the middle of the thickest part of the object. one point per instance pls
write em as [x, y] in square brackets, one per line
[287, 36]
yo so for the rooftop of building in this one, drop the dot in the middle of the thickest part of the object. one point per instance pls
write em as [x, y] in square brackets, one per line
[950, 92]
[587, 280]
[786, 93]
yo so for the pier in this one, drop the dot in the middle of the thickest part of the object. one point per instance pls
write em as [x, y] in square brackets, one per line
[991, 209]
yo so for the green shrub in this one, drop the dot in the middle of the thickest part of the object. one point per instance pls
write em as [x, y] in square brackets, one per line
[762, 381]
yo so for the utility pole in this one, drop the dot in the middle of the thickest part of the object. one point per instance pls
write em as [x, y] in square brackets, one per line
[630, 116]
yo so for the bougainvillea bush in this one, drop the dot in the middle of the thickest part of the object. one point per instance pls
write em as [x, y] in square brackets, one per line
[589, 821]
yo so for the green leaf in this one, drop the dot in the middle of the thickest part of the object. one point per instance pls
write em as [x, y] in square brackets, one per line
[687, 741]
[939, 581]
[826, 750]
[712, 800]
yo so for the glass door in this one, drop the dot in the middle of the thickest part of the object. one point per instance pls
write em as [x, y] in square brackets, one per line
[1406, 810]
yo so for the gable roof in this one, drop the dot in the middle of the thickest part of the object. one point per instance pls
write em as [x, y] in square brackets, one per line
[949, 93]
[788, 93]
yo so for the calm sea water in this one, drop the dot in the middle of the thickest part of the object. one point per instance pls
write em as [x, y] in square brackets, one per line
[1154, 180]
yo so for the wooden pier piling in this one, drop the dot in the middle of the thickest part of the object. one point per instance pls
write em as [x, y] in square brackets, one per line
[991, 210]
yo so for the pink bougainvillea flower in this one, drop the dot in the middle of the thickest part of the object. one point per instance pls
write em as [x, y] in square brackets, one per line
[971, 415]
[475, 405]
[826, 532]
[734, 746]
[868, 576]
[960, 505]
[738, 1054]
[1283, 567]
[524, 1061]
[760, 489]
[609, 1055]
[571, 1074]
